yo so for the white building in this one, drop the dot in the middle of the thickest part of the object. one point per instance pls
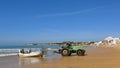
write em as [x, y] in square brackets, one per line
[109, 41]
[112, 41]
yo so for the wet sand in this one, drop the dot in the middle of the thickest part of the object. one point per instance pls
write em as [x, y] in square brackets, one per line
[94, 58]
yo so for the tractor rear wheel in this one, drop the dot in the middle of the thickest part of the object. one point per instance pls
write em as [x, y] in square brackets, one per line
[65, 52]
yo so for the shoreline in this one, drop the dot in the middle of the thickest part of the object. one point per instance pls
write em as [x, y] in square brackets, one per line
[97, 57]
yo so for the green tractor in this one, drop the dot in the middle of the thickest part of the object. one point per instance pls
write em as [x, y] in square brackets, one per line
[69, 49]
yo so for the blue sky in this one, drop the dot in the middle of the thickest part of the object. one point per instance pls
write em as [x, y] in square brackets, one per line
[40, 21]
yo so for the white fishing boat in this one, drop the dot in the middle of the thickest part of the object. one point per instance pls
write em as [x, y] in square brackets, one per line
[32, 54]
[29, 54]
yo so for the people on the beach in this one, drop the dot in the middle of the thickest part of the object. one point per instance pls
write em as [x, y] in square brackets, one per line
[43, 52]
[22, 51]
[29, 51]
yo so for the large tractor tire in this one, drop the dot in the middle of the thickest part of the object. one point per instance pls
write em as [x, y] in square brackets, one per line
[80, 52]
[83, 52]
[65, 52]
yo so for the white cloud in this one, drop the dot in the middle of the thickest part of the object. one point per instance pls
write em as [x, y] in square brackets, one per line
[70, 13]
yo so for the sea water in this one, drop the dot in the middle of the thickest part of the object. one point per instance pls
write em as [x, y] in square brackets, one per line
[12, 50]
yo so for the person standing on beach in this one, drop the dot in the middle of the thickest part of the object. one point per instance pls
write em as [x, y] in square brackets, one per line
[43, 53]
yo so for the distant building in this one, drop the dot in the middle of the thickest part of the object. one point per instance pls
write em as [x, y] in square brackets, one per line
[109, 41]
[112, 41]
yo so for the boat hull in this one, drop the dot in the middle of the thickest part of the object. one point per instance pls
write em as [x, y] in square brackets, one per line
[32, 54]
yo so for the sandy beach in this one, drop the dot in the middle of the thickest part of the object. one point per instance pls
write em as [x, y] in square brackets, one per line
[96, 57]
